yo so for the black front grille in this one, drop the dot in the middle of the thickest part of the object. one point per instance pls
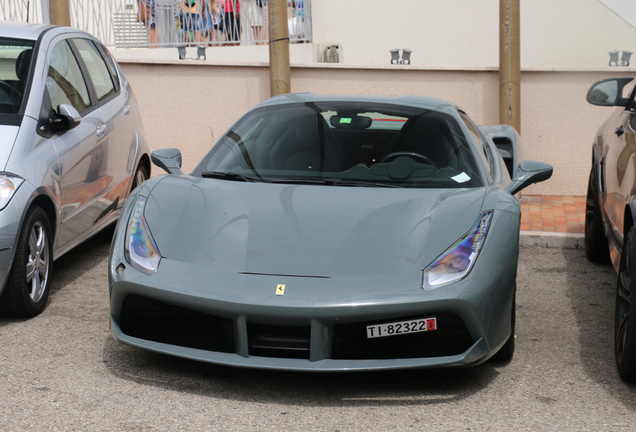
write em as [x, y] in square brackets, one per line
[350, 341]
[149, 319]
[278, 341]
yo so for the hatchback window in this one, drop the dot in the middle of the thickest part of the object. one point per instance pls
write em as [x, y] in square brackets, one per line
[15, 65]
[65, 81]
[97, 69]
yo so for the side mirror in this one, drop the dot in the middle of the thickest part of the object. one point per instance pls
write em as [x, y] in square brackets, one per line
[67, 118]
[168, 159]
[608, 92]
[529, 172]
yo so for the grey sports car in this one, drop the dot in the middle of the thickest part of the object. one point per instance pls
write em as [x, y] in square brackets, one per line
[71, 149]
[328, 232]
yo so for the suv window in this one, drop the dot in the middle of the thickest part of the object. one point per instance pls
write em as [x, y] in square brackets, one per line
[65, 81]
[97, 69]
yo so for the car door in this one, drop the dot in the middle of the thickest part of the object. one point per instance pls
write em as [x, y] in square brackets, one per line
[115, 109]
[617, 168]
[82, 151]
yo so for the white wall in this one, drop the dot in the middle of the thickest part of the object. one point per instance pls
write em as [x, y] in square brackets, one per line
[572, 33]
[465, 33]
[439, 32]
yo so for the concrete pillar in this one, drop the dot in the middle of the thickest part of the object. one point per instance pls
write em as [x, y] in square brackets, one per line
[278, 48]
[509, 64]
[60, 12]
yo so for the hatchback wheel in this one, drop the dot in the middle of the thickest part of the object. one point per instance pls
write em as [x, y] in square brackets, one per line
[596, 247]
[625, 315]
[30, 279]
[141, 175]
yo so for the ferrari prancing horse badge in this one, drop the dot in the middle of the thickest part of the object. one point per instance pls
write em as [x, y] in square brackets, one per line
[280, 289]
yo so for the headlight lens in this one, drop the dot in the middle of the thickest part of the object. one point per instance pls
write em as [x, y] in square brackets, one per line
[456, 262]
[9, 184]
[141, 250]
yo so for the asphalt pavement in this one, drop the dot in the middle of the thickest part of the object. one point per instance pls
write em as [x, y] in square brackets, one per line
[62, 370]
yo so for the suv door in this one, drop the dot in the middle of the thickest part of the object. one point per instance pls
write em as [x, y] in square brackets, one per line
[617, 169]
[82, 152]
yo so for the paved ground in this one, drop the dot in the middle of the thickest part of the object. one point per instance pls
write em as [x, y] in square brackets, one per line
[62, 371]
[564, 214]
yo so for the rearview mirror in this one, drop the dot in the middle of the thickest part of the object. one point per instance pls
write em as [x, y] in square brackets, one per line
[529, 172]
[355, 122]
[168, 159]
[608, 92]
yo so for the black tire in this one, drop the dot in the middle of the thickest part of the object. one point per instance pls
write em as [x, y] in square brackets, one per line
[507, 351]
[141, 175]
[625, 312]
[29, 281]
[596, 247]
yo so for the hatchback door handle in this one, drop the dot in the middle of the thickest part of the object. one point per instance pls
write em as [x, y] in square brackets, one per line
[620, 131]
[101, 130]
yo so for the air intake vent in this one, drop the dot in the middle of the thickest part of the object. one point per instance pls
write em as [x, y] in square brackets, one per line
[148, 319]
[278, 341]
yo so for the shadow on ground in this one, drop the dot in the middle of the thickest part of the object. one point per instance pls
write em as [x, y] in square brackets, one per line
[72, 266]
[591, 290]
[399, 388]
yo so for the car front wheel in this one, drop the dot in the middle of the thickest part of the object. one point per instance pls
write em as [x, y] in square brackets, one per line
[625, 314]
[30, 278]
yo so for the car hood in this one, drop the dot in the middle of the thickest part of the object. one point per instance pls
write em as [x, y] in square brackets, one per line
[8, 135]
[306, 230]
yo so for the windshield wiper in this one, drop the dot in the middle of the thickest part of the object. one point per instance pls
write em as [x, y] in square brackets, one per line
[229, 176]
[332, 182]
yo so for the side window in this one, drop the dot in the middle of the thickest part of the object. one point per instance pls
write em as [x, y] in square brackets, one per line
[483, 153]
[65, 81]
[110, 62]
[97, 69]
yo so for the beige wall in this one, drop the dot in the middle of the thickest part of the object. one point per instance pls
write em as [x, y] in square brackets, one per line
[189, 105]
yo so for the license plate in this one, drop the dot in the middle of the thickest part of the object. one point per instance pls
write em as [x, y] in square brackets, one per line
[402, 327]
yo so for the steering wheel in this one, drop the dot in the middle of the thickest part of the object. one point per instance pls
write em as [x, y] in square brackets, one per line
[415, 156]
[10, 91]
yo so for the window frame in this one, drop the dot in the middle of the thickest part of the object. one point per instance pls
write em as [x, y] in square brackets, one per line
[481, 145]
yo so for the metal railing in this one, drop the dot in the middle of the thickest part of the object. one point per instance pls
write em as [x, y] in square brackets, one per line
[170, 23]
[21, 10]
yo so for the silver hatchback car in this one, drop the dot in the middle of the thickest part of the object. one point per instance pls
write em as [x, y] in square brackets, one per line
[72, 148]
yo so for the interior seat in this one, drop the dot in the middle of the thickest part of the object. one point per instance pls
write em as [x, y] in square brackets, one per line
[22, 67]
[308, 145]
[427, 136]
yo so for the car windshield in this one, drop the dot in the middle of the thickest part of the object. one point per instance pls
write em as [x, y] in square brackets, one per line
[15, 63]
[345, 144]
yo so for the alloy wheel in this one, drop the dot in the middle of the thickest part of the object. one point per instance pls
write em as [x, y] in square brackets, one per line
[38, 262]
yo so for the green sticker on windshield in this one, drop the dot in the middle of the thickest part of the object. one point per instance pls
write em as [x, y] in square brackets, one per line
[345, 120]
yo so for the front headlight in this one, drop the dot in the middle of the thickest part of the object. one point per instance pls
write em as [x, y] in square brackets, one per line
[454, 264]
[141, 251]
[9, 184]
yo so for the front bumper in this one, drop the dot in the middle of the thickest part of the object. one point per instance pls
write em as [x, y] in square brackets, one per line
[175, 313]
[10, 221]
